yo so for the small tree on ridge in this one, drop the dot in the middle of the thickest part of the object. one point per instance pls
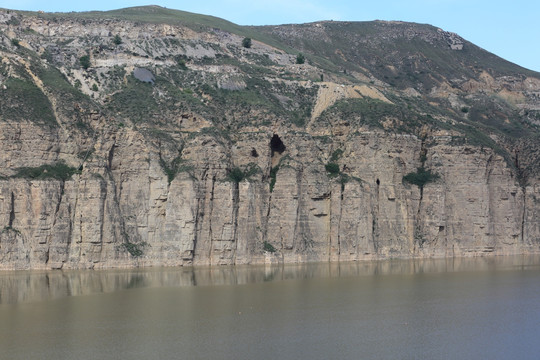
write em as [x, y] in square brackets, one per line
[246, 43]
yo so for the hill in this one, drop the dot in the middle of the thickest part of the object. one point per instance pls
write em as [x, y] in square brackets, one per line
[153, 136]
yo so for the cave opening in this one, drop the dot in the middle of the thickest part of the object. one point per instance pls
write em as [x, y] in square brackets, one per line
[276, 145]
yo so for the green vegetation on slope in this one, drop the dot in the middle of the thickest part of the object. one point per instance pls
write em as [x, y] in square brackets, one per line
[231, 86]
[160, 15]
[421, 177]
[389, 51]
[22, 100]
[58, 171]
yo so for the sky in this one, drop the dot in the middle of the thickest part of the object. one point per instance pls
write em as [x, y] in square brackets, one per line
[509, 29]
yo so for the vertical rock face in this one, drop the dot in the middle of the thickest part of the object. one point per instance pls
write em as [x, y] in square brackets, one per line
[476, 206]
[130, 143]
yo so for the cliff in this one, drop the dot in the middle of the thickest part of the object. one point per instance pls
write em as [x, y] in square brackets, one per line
[149, 137]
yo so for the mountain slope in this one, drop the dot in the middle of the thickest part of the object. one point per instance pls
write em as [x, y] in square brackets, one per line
[149, 136]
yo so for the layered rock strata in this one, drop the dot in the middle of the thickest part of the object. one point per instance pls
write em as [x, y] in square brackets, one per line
[202, 217]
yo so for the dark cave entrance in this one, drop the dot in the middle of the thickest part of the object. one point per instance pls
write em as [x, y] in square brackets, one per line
[276, 145]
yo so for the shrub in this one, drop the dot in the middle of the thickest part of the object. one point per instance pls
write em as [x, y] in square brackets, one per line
[336, 155]
[85, 61]
[269, 247]
[94, 87]
[59, 171]
[176, 166]
[343, 180]
[300, 58]
[117, 39]
[420, 177]
[182, 63]
[15, 42]
[273, 177]
[135, 250]
[332, 169]
[13, 21]
[246, 43]
[237, 174]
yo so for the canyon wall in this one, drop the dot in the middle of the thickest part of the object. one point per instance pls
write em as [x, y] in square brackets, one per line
[122, 201]
[221, 153]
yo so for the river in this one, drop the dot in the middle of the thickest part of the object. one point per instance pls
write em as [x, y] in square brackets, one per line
[476, 308]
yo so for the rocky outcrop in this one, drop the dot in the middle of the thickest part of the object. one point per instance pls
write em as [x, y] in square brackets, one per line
[97, 218]
[182, 147]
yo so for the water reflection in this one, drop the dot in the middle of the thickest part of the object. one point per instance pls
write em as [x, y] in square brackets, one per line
[30, 286]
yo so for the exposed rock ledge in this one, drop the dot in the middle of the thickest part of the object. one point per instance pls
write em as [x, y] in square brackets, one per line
[476, 207]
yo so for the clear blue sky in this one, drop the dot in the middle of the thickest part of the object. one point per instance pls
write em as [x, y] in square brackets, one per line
[510, 29]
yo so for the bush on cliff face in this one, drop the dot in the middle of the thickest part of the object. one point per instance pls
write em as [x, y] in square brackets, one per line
[237, 174]
[59, 171]
[420, 177]
[176, 166]
[332, 169]
[135, 250]
[273, 177]
[269, 247]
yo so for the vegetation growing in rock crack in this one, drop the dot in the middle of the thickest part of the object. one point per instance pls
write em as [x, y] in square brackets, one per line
[176, 166]
[421, 177]
[274, 170]
[238, 174]
[269, 247]
[332, 169]
[10, 229]
[419, 238]
[273, 177]
[59, 171]
[181, 62]
[134, 249]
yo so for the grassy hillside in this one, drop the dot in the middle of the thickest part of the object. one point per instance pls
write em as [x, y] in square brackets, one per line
[210, 82]
[404, 54]
[160, 15]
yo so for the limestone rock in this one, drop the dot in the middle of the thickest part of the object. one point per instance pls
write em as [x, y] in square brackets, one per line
[230, 155]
